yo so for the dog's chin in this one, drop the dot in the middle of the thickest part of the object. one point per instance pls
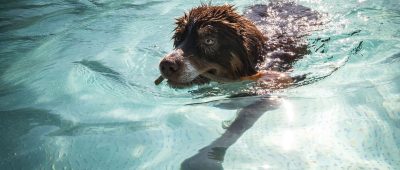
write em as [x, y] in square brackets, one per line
[199, 80]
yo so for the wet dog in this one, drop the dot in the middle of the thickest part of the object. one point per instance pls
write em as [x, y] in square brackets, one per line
[215, 43]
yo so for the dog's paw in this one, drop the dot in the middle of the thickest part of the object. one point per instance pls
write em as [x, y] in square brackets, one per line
[210, 159]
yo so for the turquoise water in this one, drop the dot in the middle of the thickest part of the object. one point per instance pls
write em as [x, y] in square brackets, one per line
[77, 92]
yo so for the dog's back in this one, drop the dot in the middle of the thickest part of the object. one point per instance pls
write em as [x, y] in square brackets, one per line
[285, 25]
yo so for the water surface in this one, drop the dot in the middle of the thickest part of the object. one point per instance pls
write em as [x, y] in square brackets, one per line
[77, 92]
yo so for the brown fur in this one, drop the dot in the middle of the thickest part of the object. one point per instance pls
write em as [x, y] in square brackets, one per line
[224, 46]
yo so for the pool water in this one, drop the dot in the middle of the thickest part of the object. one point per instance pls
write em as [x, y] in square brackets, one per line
[77, 91]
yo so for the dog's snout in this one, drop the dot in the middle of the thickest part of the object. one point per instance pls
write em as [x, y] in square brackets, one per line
[171, 64]
[168, 67]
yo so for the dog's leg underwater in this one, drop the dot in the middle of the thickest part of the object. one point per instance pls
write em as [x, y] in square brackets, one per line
[212, 156]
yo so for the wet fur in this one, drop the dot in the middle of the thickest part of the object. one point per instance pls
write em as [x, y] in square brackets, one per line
[236, 34]
[266, 37]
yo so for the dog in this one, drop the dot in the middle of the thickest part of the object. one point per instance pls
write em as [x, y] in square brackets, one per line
[215, 43]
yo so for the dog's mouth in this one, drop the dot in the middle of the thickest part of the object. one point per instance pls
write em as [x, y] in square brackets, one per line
[203, 78]
[199, 80]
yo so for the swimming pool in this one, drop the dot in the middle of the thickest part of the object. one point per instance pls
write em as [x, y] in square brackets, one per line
[77, 92]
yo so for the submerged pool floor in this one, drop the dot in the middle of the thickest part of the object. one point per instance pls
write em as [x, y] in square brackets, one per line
[77, 92]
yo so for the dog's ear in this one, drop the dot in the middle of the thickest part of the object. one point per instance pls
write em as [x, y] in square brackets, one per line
[250, 41]
[253, 43]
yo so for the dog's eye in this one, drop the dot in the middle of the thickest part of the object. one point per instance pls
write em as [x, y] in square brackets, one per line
[209, 41]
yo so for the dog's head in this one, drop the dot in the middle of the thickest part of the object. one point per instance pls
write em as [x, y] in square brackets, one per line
[212, 43]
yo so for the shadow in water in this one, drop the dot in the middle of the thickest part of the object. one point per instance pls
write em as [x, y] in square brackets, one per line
[25, 135]
[212, 156]
[392, 59]
[100, 68]
[112, 128]
[22, 134]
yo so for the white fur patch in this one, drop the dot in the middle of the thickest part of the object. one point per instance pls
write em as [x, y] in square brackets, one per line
[189, 72]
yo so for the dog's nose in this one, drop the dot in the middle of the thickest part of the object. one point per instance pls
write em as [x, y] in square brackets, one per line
[169, 67]
[171, 64]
